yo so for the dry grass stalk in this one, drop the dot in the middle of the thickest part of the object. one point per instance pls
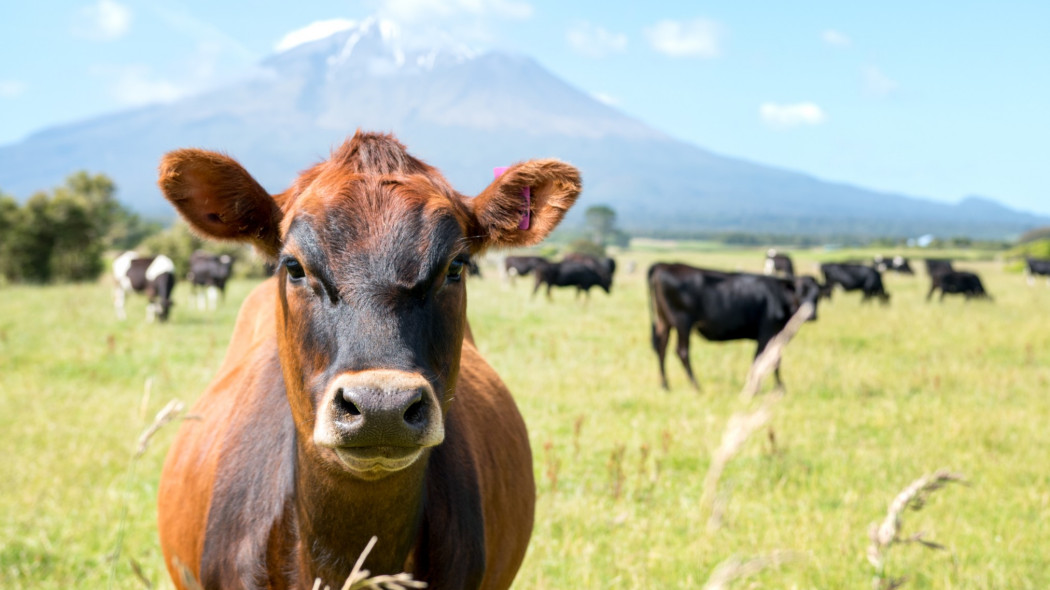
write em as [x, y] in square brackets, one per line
[141, 575]
[186, 575]
[739, 428]
[146, 394]
[361, 579]
[735, 568]
[743, 425]
[553, 465]
[643, 463]
[888, 533]
[577, 429]
[165, 415]
[616, 473]
[767, 362]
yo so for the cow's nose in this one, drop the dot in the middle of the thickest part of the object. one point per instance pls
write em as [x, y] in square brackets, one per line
[379, 408]
[386, 409]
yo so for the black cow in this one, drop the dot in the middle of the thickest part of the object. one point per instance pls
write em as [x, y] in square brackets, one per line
[722, 306]
[778, 263]
[600, 264]
[897, 264]
[958, 282]
[571, 273]
[155, 277]
[522, 265]
[208, 274]
[1037, 266]
[854, 277]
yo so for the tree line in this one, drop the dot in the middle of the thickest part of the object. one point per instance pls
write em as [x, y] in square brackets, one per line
[64, 234]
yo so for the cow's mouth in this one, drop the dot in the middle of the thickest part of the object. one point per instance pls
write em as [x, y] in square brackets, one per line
[373, 462]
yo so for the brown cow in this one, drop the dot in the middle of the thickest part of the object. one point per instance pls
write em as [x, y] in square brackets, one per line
[349, 403]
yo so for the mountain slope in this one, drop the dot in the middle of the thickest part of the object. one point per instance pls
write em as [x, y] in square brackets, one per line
[465, 114]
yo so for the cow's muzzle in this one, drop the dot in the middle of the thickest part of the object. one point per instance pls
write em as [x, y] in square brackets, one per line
[379, 421]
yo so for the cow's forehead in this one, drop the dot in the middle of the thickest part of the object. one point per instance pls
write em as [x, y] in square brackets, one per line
[366, 206]
[386, 228]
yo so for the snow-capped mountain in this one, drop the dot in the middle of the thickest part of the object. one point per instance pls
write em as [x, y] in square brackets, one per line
[466, 112]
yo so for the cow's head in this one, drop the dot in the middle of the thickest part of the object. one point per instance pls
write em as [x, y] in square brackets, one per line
[159, 291]
[371, 248]
[807, 289]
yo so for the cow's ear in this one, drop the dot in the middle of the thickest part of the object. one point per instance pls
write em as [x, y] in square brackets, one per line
[220, 200]
[553, 187]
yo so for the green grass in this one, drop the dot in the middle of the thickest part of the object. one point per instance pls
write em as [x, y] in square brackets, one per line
[877, 396]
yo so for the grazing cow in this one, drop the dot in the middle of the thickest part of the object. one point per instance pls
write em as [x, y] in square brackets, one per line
[778, 263]
[897, 264]
[1037, 266]
[935, 267]
[854, 277]
[958, 282]
[722, 306]
[352, 401]
[208, 274]
[154, 277]
[516, 266]
[572, 273]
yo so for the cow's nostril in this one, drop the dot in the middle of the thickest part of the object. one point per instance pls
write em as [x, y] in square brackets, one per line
[346, 403]
[416, 413]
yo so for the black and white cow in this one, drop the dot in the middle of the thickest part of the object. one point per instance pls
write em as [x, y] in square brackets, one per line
[958, 282]
[571, 273]
[897, 264]
[777, 263]
[721, 306]
[154, 277]
[1037, 266]
[854, 277]
[208, 275]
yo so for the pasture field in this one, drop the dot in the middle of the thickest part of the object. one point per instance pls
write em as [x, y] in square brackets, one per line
[876, 397]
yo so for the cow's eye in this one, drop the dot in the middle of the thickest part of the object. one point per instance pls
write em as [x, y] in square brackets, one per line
[455, 270]
[295, 270]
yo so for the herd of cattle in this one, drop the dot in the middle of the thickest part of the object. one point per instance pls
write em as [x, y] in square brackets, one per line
[352, 401]
[725, 306]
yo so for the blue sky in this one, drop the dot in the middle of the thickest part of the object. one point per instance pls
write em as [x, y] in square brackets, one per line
[932, 99]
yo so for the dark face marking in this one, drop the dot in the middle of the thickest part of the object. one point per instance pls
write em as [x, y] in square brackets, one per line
[370, 280]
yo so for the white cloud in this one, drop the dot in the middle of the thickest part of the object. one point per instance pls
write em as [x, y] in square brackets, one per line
[314, 31]
[606, 99]
[137, 85]
[836, 38]
[594, 41]
[12, 88]
[791, 115]
[877, 83]
[421, 10]
[104, 21]
[696, 38]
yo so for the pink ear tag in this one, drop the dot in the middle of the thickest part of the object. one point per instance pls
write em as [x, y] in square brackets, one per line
[526, 193]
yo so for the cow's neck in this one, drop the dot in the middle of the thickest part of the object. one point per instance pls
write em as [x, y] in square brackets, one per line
[335, 510]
